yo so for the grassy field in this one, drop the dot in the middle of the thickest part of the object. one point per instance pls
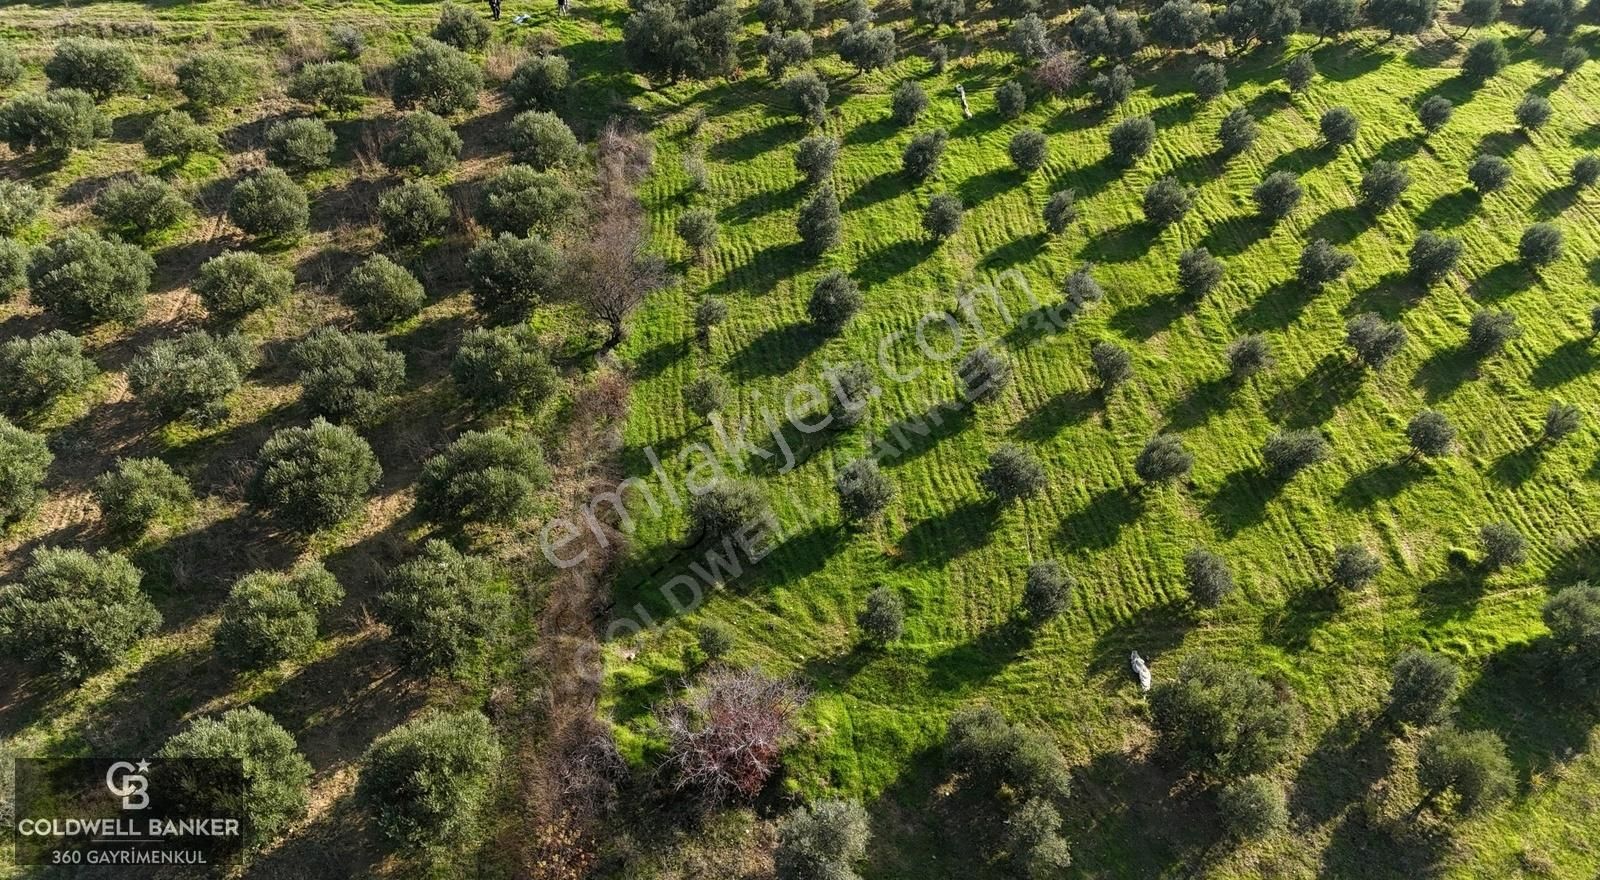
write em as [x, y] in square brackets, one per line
[878, 717]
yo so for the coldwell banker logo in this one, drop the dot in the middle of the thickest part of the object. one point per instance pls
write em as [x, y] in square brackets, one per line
[132, 814]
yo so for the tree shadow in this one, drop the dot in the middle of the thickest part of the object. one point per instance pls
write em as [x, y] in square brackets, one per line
[1381, 482]
[892, 261]
[1066, 408]
[748, 145]
[881, 188]
[1315, 398]
[1018, 250]
[1203, 401]
[872, 132]
[911, 437]
[1579, 562]
[1500, 282]
[1236, 234]
[972, 663]
[762, 202]
[1121, 244]
[1517, 466]
[980, 188]
[655, 360]
[1153, 314]
[1098, 524]
[1291, 625]
[943, 538]
[1301, 160]
[1278, 306]
[1241, 501]
[1360, 848]
[1452, 596]
[1346, 761]
[1519, 694]
[1444, 372]
[775, 352]
[1450, 210]
[1340, 226]
[1553, 203]
[763, 271]
[1570, 360]
[1343, 62]
[1389, 296]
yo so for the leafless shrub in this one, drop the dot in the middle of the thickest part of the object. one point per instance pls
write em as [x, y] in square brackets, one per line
[726, 735]
[1059, 73]
[501, 61]
[610, 271]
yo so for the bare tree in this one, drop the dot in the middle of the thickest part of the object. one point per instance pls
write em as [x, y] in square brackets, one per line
[726, 735]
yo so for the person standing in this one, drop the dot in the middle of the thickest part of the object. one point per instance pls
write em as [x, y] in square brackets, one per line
[494, 9]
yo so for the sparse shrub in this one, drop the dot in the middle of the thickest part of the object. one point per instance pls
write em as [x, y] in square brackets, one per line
[1586, 172]
[424, 143]
[1036, 846]
[907, 103]
[1561, 420]
[1322, 264]
[502, 366]
[1166, 201]
[814, 157]
[82, 278]
[329, 85]
[698, 229]
[725, 737]
[1572, 59]
[436, 77]
[461, 27]
[1503, 546]
[511, 276]
[346, 377]
[190, 376]
[1249, 355]
[271, 616]
[819, 222]
[866, 47]
[412, 214]
[1289, 452]
[1473, 765]
[1485, 58]
[942, 218]
[1430, 434]
[488, 477]
[1533, 112]
[539, 83]
[1219, 720]
[426, 781]
[1112, 365]
[269, 205]
[98, 67]
[1490, 330]
[714, 639]
[938, 56]
[1374, 340]
[1541, 245]
[1383, 184]
[212, 79]
[140, 493]
[705, 395]
[382, 292]
[1164, 459]
[1208, 577]
[1112, 88]
[786, 50]
[271, 790]
[884, 617]
[1299, 72]
[314, 477]
[1028, 150]
[80, 613]
[53, 123]
[1433, 256]
[1354, 566]
[1237, 132]
[520, 200]
[20, 205]
[1013, 473]
[540, 139]
[808, 96]
[695, 171]
[13, 268]
[983, 375]
[1131, 139]
[822, 840]
[347, 41]
[1489, 174]
[1047, 590]
[834, 300]
[10, 66]
[1081, 290]
[1435, 112]
[1422, 687]
[997, 758]
[138, 207]
[1210, 81]
[1029, 39]
[1010, 100]
[726, 508]
[1277, 194]
[24, 460]
[300, 144]
[922, 155]
[1198, 272]
[1061, 210]
[1252, 807]
[38, 370]
[852, 386]
[236, 283]
[708, 313]
[863, 490]
[1339, 127]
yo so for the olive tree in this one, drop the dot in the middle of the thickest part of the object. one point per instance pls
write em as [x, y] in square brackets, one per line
[808, 96]
[835, 298]
[1207, 576]
[1374, 340]
[139, 207]
[52, 124]
[1277, 194]
[1541, 245]
[1131, 139]
[1220, 721]
[921, 157]
[271, 616]
[539, 83]
[883, 618]
[863, 490]
[822, 840]
[491, 477]
[982, 375]
[1060, 210]
[269, 205]
[942, 217]
[1113, 365]
[424, 143]
[1573, 617]
[1490, 330]
[427, 781]
[1533, 112]
[1503, 546]
[521, 200]
[314, 477]
[272, 787]
[698, 229]
[819, 222]
[1421, 688]
[1010, 100]
[1198, 272]
[1339, 126]
[36, 371]
[725, 509]
[1485, 58]
[1252, 807]
[1287, 453]
[447, 609]
[1433, 256]
[1354, 566]
[78, 613]
[1430, 434]
[84, 279]
[1028, 150]
[347, 377]
[213, 79]
[908, 102]
[1013, 473]
[20, 205]
[1434, 112]
[436, 77]
[1167, 201]
[1561, 420]
[1046, 590]
[815, 156]
[1249, 355]
[98, 67]
[300, 144]
[382, 292]
[511, 276]
[540, 139]
[1383, 184]
[1322, 264]
[1237, 132]
[503, 366]
[25, 459]
[236, 283]
[329, 85]
[1489, 174]
[190, 376]
[139, 493]
[1164, 459]
[461, 27]
[1470, 765]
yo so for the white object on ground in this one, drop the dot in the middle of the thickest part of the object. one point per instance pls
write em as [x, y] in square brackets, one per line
[1140, 670]
[962, 91]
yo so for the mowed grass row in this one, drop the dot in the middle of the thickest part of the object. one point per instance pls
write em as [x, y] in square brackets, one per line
[879, 716]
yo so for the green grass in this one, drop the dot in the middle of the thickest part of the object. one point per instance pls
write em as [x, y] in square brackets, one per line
[877, 718]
